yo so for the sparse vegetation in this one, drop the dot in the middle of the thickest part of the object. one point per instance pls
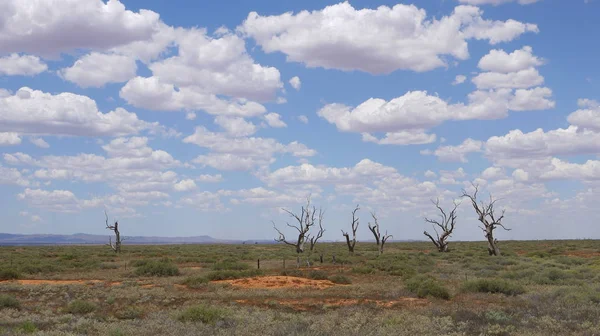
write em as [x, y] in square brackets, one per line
[9, 274]
[7, 301]
[80, 307]
[534, 288]
[160, 268]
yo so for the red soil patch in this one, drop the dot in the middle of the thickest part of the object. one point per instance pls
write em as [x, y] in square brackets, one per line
[582, 254]
[278, 282]
[308, 303]
[54, 282]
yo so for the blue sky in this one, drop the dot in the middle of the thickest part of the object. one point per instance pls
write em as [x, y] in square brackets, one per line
[190, 118]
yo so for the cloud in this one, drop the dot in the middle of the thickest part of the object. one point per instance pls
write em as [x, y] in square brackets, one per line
[456, 153]
[274, 120]
[520, 80]
[498, 60]
[411, 137]
[52, 200]
[31, 111]
[23, 65]
[185, 185]
[206, 178]
[190, 116]
[9, 139]
[235, 126]
[97, 70]
[241, 153]
[303, 119]
[588, 117]
[51, 28]
[39, 142]
[459, 79]
[12, 176]
[377, 41]
[296, 83]
[496, 2]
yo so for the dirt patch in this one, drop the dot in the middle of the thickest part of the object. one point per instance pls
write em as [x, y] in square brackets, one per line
[192, 267]
[306, 304]
[278, 282]
[582, 254]
[54, 282]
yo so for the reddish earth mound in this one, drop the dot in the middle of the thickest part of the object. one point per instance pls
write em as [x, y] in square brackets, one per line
[54, 282]
[583, 254]
[308, 303]
[278, 282]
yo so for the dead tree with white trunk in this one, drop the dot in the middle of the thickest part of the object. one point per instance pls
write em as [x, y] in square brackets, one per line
[379, 239]
[319, 235]
[352, 242]
[445, 224]
[305, 221]
[116, 246]
[487, 216]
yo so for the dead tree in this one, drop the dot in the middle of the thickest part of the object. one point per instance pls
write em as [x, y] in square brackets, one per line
[487, 217]
[306, 219]
[446, 224]
[379, 239]
[352, 242]
[319, 235]
[118, 240]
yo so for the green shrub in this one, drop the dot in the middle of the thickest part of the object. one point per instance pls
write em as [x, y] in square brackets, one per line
[7, 301]
[80, 307]
[35, 269]
[230, 265]
[340, 279]
[425, 286]
[493, 286]
[157, 268]
[129, 313]
[318, 275]
[293, 272]
[195, 281]
[28, 327]
[9, 274]
[231, 275]
[363, 270]
[202, 313]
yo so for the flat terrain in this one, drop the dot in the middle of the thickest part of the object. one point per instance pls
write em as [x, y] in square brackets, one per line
[535, 288]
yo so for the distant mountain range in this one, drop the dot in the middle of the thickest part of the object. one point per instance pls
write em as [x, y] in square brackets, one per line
[82, 238]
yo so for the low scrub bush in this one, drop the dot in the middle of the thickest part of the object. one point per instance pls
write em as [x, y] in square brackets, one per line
[202, 313]
[230, 265]
[129, 313]
[80, 307]
[293, 272]
[157, 268]
[425, 286]
[28, 327]
[318, 275]
[7, 301]
[9, 274]
[363, 270]
[231, 275]
[195, 281]
[340, 279]
[493, 286]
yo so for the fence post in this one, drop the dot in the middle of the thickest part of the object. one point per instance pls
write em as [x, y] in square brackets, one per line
[258, 263]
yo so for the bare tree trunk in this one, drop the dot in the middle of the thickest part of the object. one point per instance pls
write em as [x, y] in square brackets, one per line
[379, 239]
[352, 242]
[306, 220]
[488, 218]
[115, 228]
[446, 225]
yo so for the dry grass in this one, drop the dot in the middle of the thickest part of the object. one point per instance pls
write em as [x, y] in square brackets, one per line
[536, 288]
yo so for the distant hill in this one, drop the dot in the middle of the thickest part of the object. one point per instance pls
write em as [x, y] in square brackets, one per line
[82, 238]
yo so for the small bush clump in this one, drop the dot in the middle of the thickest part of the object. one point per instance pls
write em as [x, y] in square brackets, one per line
[202, 313]
[363, 270]
[129, 313]
[157, 268]
[28, 327]
[318, 275]
[80, 307]
[340, 279]
[195, 281]
[425, 286]
[293, 272]
[231, 275]
[230, 265]
[9, 274]
[493, 286]
[7, 301]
